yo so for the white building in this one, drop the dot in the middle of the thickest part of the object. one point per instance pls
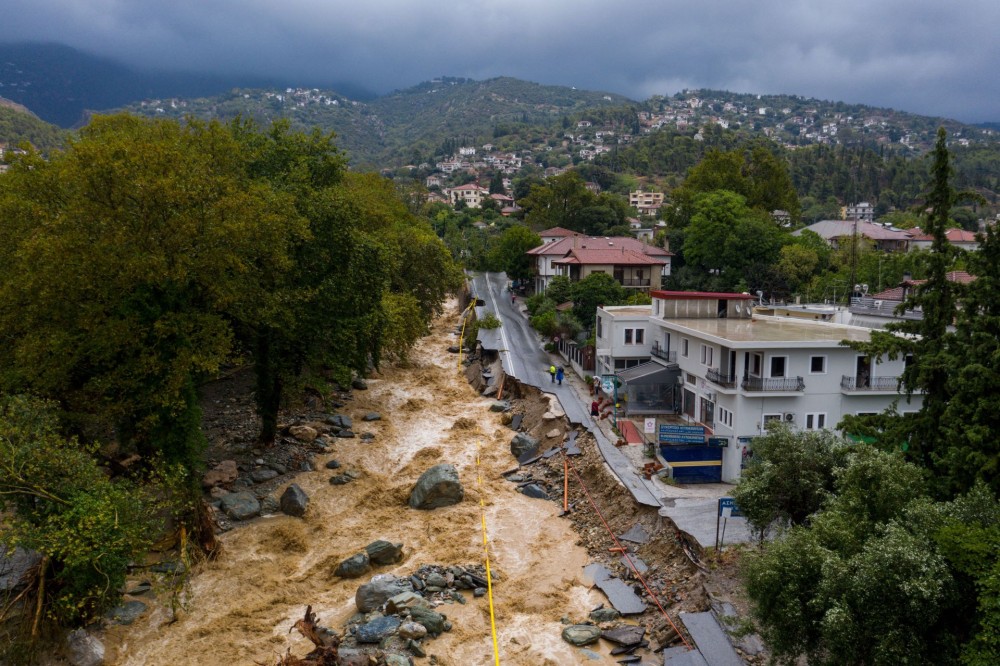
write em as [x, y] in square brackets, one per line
[733, 371]
[621, 337]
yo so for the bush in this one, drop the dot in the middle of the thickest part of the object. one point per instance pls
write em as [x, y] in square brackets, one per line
[87, 526]
[545, 323]
[490, 322]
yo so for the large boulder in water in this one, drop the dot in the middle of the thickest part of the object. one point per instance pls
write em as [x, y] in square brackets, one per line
[380, 589]
[294, 501]
[439, 486]
[522, 444]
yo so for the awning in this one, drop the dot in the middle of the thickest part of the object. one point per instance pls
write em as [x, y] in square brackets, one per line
[650, 373]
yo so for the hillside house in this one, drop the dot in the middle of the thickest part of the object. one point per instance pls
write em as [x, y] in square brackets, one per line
[647, 203]
[883, 238]
[960, 238]
[471, 195]
[634, 264]
[863, 211]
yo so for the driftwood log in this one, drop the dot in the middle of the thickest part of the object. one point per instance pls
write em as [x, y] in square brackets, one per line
[325, 654]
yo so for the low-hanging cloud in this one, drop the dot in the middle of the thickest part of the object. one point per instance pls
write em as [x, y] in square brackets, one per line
[916, 55]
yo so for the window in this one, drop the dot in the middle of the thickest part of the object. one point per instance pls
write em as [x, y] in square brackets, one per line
[725, 417]
[656, 306]
[600, 321]
[635, 336]
[816, 421]
[817, 365]
[684, 347]
[691, 379]
[778, 366]
[707, 355]
[756, 364]
[768, 418]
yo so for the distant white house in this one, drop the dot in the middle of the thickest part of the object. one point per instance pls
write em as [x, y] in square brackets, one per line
[471, 195]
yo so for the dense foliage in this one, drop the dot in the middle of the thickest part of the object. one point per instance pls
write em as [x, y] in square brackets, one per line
[60, 504]
[139, 261]
[18, 126]
[889, 550]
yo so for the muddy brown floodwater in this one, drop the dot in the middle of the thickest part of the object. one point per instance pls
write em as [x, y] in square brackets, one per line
[240, 608]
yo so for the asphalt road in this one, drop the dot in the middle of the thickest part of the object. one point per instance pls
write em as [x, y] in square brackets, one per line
[521, 348]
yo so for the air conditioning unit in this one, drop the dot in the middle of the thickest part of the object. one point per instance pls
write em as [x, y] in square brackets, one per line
[789, 416]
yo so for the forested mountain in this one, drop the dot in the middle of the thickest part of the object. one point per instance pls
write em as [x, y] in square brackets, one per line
[405, 126]
[61, 84]
[18, 125]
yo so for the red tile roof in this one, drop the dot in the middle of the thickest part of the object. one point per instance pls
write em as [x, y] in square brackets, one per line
[559, 231]
[608, 256]
[563, 246]
[953, 236]
[896, 293]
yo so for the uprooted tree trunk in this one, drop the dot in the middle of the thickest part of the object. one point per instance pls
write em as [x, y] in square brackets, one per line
[325, 654]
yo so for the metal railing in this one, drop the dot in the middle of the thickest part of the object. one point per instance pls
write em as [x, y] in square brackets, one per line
[668, 356]
[851, 383]
[716, 376]
[776, 384]
[635, 282]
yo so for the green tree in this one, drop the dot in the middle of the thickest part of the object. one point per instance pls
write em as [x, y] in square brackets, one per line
[509, 254]
[860, 584]
[558, 202]
[594, 290]
[727, 238]
[926, 340]
[790, 478]
[971, 418]
[122, 264]
[560, 289]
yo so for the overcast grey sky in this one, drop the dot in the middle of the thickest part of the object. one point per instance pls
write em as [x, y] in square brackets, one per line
[934, 57]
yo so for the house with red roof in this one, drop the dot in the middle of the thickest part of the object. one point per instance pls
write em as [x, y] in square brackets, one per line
[960, 238]
[879, 309]
[634, 264]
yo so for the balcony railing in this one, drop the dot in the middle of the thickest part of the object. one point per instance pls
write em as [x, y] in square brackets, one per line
[850, 383]
[775, 384]
[668, 356]
[635, 282]
[716, 376]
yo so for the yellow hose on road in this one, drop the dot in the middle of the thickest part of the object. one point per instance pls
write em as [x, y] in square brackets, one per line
[486, 554]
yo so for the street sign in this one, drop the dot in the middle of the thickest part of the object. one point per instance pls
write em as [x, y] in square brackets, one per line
[718, 441]
[727, 507]
[649, 426]
[682, 434]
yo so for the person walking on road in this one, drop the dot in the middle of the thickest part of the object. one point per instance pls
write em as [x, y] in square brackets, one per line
[597, 385]
[552, 373]
[559, 375]
[595, 409]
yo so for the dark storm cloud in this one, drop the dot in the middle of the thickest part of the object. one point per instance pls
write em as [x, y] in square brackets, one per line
[923, 56]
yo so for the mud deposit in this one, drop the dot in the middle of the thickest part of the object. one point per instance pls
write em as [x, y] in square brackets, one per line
[239, 609]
